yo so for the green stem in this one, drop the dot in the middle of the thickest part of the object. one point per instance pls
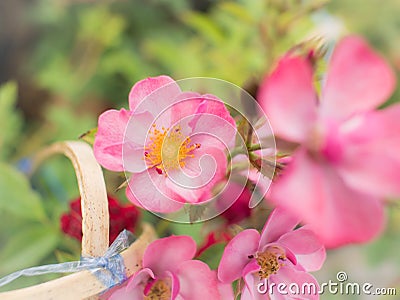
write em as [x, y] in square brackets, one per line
[240, 150]
[249, 137]
[255, 147]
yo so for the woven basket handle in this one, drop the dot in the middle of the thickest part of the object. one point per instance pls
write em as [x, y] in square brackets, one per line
[95, 218]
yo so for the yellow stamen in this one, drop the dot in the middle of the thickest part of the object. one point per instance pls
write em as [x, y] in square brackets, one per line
[269, 261]
[160, 291]
[168, 149]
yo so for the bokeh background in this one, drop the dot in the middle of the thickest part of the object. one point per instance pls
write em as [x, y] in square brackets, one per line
[63, 62]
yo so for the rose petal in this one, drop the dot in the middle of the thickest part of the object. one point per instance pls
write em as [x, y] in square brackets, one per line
[196, 179]
[166, 254]
[338, 214]
[110, 138]
[225, 289]
[277, 248]
[294, 281]
[358, 79]
[236, 255]
[186, 104]
[372, 170]
[135, 286]
[175, 285]
[194, 104]
[153, 94]
[280, 221]
[215, 106]
[137, 131]
[371, 162]
[149, 188]
[212, 131]
[308, 249]
[197, 281]
[288, 98]
[250, 290]
[138, 127]
[134, 160]
[207, 116]
[131, 197]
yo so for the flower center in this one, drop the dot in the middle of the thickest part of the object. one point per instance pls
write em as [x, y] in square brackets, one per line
[160, 291]
[270, 261]
[168, 149]
[324, 141]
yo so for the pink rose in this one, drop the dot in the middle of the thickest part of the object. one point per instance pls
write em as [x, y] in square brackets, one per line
[170, 273]
[280, 255]
[347, 158]
[171, 142]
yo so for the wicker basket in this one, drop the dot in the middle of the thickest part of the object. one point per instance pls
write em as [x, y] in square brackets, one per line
[95, 228]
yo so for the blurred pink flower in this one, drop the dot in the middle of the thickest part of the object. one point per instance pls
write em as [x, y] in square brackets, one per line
[240, 209]
[170, 273]
[172, 143]
[242, 191]
[279, 255]
[348, 159]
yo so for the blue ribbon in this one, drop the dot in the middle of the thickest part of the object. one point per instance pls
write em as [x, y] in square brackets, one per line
[109, 269]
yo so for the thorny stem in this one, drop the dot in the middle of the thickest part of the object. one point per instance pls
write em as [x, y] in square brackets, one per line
[266, 166]
[255, 147]
[241, 150]
[249, 135]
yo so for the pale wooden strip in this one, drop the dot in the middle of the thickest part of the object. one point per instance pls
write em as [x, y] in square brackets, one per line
[83, 284]
[95, 218]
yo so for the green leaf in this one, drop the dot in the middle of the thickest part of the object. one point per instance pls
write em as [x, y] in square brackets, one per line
[65, 256]
[16, 195]
[10, 120]
[27, 248]
[212, 255]
[8, 95]
[237, 11]
[98, 24]
[89, 136]
[66, 124]
[194, 230]
[204, 26]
